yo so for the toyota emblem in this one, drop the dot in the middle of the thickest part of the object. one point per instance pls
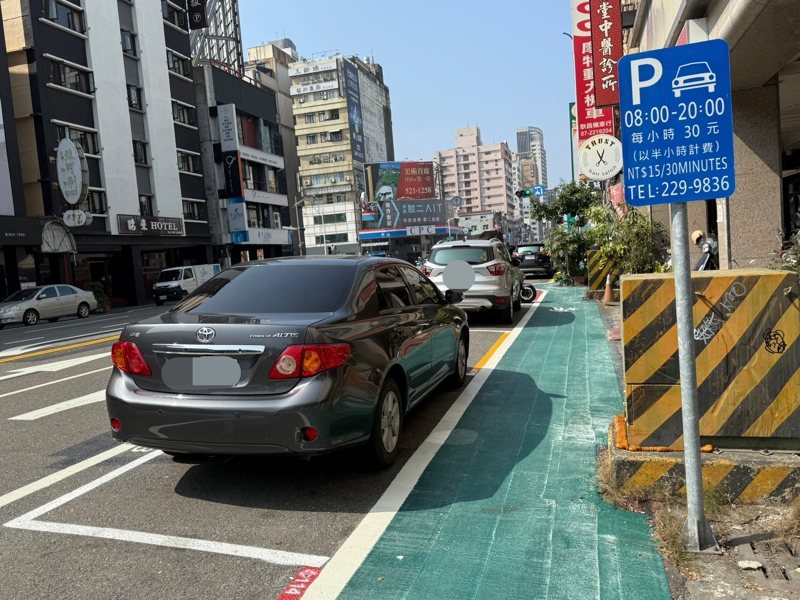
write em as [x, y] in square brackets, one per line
[206, 334]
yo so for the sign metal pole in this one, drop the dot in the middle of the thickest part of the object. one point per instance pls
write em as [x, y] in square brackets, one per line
[697, 533]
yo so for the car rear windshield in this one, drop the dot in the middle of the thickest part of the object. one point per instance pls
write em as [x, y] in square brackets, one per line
[272, 288]
[531, 249]
[474, 255]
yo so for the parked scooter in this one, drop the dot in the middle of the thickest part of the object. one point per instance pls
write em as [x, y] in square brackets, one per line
[710, 248]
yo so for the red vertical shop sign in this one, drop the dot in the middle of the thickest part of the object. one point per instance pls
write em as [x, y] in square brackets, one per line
[606, 21]
[592, 120]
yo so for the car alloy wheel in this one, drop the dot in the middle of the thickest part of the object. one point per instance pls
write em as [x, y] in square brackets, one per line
[386, 424]
[31, 317]
[83, 310]
[459, 376]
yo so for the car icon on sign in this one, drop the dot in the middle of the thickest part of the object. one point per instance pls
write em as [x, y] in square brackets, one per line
[692, 76]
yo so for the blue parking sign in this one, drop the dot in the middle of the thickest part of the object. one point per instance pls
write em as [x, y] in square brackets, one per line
[676, 124]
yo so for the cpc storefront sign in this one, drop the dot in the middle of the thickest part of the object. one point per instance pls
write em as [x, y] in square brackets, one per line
[606, 22]
[592, 120]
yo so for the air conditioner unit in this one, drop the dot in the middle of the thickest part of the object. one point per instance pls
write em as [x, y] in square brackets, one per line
[306, 182]
[347, 178]
[332, 180]
[301, 100]
[324, 95]
[276, 220]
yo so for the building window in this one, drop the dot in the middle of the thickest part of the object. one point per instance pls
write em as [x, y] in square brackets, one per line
[173, 15]
[135, 97]
[71, 78]
[66, 16]
[333, 238]
[128, 42]
[330, 219]
[188, 163]
[87, 139]
[145, 205]
[178, 64]
[335, 136]
[184, 114]
[311, 139]
[139, 152]
[310, 118]
[95, 203]
[194, 211]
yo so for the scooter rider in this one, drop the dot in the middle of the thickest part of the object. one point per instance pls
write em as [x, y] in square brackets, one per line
[709, 247]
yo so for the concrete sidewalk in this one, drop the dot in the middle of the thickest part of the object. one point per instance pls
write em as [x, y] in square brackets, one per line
[509, 507]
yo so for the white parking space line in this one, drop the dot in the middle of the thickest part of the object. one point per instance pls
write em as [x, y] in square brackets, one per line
[41, 385]
[28, 521]
[61, 407]
[51, 343]
[55, 366]
[344, 563]
[45, 482]
[115, 325]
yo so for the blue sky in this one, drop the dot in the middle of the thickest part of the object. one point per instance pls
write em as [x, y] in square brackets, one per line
[497, 64]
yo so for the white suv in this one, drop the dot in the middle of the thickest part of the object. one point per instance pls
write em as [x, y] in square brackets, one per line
[498, 281]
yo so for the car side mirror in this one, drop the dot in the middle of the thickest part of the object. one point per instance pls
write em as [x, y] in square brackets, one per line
[453, 297]
[515, 262]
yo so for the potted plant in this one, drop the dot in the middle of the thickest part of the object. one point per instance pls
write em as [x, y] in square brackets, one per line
[99, 291]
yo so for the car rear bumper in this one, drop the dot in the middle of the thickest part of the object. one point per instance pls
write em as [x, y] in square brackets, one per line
[175, 293]
[479, 303]
[221, 424]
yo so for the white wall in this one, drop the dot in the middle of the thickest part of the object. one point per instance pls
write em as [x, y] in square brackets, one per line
[111, 109]
[160, 127]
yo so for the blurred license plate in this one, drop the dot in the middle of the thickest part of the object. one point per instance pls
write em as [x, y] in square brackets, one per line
[162, 297]
[201, 371]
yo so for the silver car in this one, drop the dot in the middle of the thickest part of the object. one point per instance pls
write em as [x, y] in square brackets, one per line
[498, 281]
[46, 302]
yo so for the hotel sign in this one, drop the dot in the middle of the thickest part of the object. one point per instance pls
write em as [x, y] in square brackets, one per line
[159, 226]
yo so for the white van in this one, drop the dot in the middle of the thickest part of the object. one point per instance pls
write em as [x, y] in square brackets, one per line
[178, 282]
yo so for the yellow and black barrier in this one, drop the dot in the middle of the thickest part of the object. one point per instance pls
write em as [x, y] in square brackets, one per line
[747, 354]
[743, 477]
[598, 271]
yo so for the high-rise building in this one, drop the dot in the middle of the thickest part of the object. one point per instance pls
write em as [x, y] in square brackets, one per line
[342, 117]
[115, 77]
[530, 144]
[479, 173]
[269, 65]
[220, 42]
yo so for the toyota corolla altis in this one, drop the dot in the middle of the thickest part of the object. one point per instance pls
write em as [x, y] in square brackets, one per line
[293, 355]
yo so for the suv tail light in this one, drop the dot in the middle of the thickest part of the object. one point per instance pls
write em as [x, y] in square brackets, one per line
[426, 270]
[128, 358]
[309, 360]
[497, 269]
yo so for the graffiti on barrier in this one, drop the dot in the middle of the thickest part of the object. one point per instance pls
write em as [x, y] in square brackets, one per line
[720, 313]
[774, 341]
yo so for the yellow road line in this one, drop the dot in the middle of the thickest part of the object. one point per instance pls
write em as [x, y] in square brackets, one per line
[486, 357]
[60, 349]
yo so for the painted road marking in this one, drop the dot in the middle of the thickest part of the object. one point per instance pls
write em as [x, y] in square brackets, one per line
[45, 482]
[53, 367]
[92, 398]
[21, 341]
[61, 349]
[115, 325]
[41, 385]
[28, 521]
[344, 563]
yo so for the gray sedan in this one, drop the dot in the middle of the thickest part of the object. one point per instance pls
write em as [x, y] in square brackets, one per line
[46, 302]
[296, 355]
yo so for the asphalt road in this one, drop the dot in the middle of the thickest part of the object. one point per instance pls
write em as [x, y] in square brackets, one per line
[87, 518]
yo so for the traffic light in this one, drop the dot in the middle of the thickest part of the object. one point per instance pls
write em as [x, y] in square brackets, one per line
[527, 192]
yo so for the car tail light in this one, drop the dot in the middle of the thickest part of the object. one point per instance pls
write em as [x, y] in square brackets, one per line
[497, 269]
[128, 358]
[426, 270]
[115, 424]
[309, 360]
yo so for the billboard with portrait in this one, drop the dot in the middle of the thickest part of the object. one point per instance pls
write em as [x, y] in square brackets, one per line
[400, 181]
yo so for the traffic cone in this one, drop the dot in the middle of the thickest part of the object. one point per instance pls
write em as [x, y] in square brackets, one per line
[608, 297]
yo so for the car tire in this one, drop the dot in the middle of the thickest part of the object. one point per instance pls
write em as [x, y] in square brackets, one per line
[83, 310]
[52, 319]
[518, 302]
[1, 326]
[386, 425]
[159, 302]
[507, 312]
[31, 317]
[459, 376]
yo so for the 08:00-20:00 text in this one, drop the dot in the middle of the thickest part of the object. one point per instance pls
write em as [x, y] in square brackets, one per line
[713, 107]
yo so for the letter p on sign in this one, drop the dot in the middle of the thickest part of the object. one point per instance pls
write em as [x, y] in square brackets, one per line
[637, 83]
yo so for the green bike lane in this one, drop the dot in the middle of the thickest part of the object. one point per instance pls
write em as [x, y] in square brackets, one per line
[508, 507]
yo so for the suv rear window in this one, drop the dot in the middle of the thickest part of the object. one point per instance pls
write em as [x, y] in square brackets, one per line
[530, 248]
[474, 255]
[273, 288]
